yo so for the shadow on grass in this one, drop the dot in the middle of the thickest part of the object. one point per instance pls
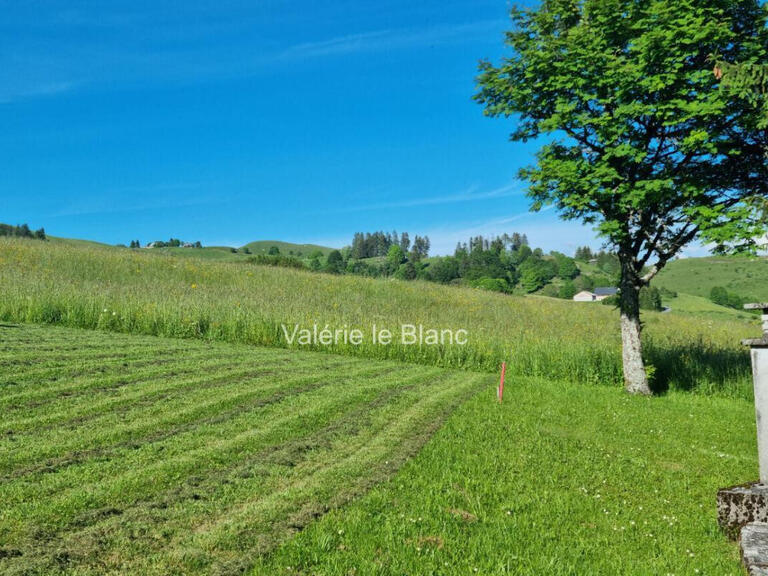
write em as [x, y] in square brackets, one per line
[700, 367]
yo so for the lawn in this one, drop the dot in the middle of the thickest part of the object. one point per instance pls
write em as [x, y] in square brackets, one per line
[144, 455]
[135, 454]
[562, 479]
[136, 292]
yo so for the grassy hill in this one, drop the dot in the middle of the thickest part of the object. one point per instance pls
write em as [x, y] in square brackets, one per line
[263, 246]
[220, 253]
[747, 277]
[76, 242]
[217, 253]
[703, 308]
[225, 253]
[599, 276]
[285, 461]
[134, 291]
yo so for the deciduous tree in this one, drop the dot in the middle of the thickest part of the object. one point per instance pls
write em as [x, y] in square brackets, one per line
[638, 140]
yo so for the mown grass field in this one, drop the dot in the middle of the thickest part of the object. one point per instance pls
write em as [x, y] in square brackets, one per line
[133, 454]
[134, 292]
[562, 479]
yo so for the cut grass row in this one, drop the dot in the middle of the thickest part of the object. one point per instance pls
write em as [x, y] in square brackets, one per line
[191, 457]
[134, 292]
[561, 479]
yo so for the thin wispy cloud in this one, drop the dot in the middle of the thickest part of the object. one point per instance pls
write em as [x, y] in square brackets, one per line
[38, 91]
[144, 207]
[468, 196]
[282, 112]
[340, 45]
[443, 240]
[132, 199]
[169, 59]
[391, 39]
[543, 229]
[496, 225]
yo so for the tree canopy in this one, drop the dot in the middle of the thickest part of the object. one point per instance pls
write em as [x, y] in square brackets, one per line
[637, 139]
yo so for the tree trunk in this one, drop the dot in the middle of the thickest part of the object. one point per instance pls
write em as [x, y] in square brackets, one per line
[635, 378]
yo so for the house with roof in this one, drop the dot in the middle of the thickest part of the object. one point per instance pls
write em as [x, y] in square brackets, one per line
[596, 295]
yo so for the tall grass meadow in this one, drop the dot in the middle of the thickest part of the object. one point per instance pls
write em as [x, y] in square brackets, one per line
[136, 291]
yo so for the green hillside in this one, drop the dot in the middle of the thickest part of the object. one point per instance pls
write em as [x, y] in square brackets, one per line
[134, 291]
[747, 277]
[115, 441]
[263, 246]
[226, 254]
[76, 242]
[220, 253]
[703, 307]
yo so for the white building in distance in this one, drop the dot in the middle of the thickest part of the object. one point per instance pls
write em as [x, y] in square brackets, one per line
[595, 296]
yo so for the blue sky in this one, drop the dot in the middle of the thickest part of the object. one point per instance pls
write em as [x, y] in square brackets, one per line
[233, 121]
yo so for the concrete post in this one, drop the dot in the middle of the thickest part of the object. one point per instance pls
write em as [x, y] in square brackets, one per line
[747, 504]
[759, 349]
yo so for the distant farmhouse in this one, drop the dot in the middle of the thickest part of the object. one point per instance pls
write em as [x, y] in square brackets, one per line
[596, 295]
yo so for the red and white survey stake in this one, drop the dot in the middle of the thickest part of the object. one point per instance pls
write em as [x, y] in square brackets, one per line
[501, 382]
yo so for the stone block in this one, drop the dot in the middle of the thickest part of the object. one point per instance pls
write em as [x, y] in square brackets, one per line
[741, 505]
[754, 548]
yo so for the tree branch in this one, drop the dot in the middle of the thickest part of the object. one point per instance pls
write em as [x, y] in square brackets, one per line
[681, 240]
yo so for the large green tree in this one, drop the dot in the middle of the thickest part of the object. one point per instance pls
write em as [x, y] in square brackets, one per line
[749, 80]
[637, 139]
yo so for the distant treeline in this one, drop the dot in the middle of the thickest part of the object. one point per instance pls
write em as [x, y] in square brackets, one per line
[276, 260]
[377, 244]
[22, 231]
[503, 263]
[507, 263]
[172, 243]
[723, 297]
